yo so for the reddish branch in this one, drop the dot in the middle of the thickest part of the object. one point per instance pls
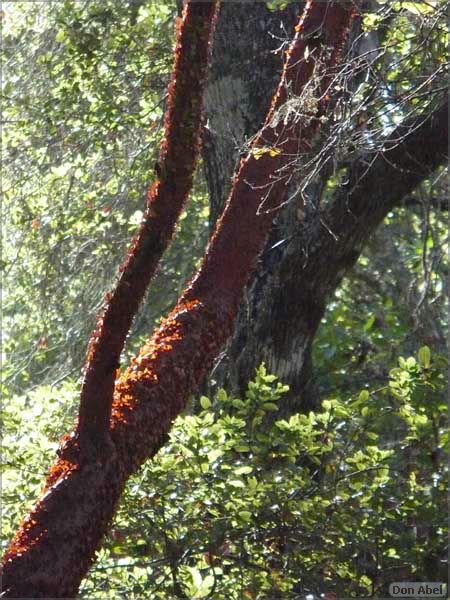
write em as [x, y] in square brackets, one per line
[56, 543]
[165, 201]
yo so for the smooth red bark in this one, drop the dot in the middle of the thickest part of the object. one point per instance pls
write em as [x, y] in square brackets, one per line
[56, 543]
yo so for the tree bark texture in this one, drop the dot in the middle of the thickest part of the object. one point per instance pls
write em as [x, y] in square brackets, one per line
[285, 302]
[56, 543]
[245, 69]
[165, 201]
[310, 248]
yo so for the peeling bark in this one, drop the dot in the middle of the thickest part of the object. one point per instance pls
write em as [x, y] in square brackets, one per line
[165, 201]
[56, 543]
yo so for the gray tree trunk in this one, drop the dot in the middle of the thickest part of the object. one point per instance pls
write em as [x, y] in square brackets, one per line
[244, 72]
[247, 60]
[311, 247]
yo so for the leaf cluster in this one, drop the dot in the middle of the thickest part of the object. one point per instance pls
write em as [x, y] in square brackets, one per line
[344, 499]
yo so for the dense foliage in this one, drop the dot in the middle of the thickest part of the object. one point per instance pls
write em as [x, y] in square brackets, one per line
[85, 121]
[346, 499]
[343, 500]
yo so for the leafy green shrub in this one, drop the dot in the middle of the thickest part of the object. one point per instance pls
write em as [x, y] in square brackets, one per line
[343, 500]
[347, 499]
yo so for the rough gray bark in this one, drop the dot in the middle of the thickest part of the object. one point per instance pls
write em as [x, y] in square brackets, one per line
[243, 75]
[286, 300]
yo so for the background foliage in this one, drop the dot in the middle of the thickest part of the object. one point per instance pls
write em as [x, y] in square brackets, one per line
[346, 499]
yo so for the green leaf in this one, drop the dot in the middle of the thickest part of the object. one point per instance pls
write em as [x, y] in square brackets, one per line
[369, 323]
[410, 362]
[363, 396]
[214, 454]
[252, 483]
[222, 395]
[425, 357]
[205, 402]
[417, 8]
[200, 587]
[270, 378]
[237, 483]
[270, 406]
[245, 515]
[61, 35]
[242, 448]
[243, 470]
[371, 21]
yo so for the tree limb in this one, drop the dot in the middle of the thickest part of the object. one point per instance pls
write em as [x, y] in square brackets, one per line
[362, 203]
[288, 297]
[165, 201]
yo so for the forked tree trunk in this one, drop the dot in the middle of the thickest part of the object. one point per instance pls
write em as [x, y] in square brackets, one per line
[56, 543]
[247, 58]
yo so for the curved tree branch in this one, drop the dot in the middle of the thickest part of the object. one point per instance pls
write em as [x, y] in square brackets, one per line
[411, 154]
[299, 273]
[165, 201]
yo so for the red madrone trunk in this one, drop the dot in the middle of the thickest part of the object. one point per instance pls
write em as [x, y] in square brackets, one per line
[165, 201]
[56, 543]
